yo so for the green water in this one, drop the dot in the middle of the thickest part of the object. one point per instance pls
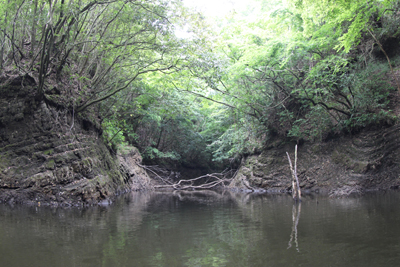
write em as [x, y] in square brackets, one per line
[206, 229]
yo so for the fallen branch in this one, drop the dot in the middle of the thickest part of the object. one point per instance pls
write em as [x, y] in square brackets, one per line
[150, 169]
[169, 178]
[189, 184]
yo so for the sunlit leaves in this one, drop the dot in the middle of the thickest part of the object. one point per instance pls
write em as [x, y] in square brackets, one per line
[342, 19]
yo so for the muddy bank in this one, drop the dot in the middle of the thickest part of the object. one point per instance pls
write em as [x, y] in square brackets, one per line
[369, 160]
[50, 155]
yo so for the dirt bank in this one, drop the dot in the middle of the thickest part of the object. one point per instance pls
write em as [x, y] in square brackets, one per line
[367, 160]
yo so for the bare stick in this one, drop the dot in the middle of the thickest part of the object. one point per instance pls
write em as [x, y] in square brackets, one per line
[296, 192]
[146, 168]
[293, 179]
[295, 174]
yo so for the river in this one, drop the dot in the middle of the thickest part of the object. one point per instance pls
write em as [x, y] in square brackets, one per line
[206, 229]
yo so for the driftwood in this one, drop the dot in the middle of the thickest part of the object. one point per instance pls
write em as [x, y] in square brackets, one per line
[189, 184]
[168, 179]
[166, 176]
[296, 191]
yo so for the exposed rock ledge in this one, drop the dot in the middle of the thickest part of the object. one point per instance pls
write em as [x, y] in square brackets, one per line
[368, 160]
[49, 156]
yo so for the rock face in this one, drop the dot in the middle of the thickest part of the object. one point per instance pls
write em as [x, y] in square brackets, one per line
[50, 155]
[129, 161]
[367, 160]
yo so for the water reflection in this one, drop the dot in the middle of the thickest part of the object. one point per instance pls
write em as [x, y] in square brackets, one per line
[295, 217]
[206, 229]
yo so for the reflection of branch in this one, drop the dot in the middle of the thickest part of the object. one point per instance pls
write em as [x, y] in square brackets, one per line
[295, 217]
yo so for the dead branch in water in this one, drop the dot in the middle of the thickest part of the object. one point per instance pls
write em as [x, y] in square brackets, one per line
[168, 177]
[189, 184]
[296, 191]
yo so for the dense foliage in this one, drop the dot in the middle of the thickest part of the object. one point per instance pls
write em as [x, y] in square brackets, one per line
[160, 76]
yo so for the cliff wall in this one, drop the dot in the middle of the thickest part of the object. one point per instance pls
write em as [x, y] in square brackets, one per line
[368, 160]
[50, 155]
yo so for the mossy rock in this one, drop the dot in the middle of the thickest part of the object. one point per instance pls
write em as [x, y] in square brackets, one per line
[49, 152]
[64, 175]
[50, 164]
[40, 179]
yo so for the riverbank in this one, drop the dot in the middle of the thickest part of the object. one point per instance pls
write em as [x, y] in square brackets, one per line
[368, 160]
[50, 155]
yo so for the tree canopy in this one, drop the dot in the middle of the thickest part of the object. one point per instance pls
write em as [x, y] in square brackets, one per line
[188, 90]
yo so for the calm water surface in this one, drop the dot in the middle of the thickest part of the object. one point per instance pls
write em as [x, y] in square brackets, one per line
[206, 229]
